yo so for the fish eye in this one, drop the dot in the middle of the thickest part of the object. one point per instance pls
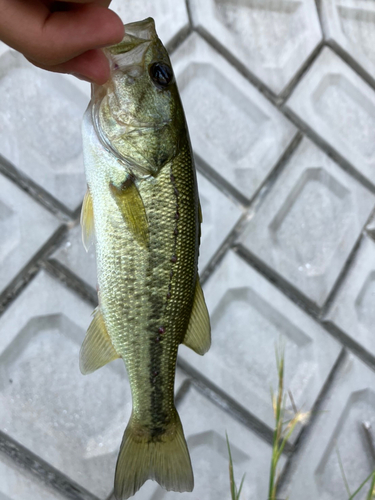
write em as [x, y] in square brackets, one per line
[161, 74]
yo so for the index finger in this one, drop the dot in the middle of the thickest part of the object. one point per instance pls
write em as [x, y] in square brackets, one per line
[51, 38]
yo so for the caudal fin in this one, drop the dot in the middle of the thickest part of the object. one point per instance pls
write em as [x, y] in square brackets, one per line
[164, 458]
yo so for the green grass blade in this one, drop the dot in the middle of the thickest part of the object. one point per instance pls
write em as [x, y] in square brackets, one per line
[371, 493]
[239, 491]
[279, 415]
[343, 472]
[361, 486]
[231, 473]
[233, 488]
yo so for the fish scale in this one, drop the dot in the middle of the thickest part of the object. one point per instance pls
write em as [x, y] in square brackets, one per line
[143, 204]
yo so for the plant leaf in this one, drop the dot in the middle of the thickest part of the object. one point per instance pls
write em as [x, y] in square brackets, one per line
[343, 471]
[231, 474]
[361, 486]
[371, 493]
[239, 491]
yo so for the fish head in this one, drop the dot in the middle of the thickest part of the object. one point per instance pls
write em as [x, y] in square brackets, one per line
[138, 114]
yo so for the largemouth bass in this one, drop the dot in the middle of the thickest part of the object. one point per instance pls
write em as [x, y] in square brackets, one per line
[142, 205]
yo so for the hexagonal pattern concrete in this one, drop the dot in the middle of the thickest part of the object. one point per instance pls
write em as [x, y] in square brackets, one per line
[73, 422]
[18, 484]
[309, 222]
[350, 25]
[233, 128]
[272, 39]
[72, 255]
[24, 227]
[219, 216]
[170, 16]
[345, 429]
[353, 308]
[248, 318]
[340, 107]
[40, 124]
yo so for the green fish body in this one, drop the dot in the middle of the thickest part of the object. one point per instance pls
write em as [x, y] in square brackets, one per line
[142, 205]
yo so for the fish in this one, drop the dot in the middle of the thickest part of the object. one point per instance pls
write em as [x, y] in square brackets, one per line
[142, 210]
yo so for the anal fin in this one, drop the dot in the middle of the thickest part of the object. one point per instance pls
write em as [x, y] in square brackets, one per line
[97, 349]
[198, 334]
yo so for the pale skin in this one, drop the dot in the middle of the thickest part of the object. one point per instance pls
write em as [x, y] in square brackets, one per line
[62, 36]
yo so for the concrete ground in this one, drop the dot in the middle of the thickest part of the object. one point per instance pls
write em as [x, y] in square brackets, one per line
[279, 97]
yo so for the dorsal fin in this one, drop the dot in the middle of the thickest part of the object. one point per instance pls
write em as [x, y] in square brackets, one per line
[87, 220]
[198, 334]
[97, 349]
[133, 211]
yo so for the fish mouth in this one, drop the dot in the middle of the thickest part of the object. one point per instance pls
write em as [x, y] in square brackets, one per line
[144, 29]
[129, 52]
[135, 34]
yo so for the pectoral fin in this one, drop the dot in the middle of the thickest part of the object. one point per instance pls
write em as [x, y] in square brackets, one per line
[87, 221]
[97, 349]
[198, 334]
[131, 206]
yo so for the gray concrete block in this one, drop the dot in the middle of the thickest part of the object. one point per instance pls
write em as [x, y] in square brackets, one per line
[249, 316]
[272, 39]
[353, 308]
[338, 430]
[72, 421]
[350, 25]
[233, 128]
[24, 227]
[340, 107]
[170, 15]
[74, 257]
[308, 223]
[18, 484]
[220, 214]
[40, 125]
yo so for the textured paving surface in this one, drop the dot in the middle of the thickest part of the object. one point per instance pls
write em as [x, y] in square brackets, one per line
[280, 101]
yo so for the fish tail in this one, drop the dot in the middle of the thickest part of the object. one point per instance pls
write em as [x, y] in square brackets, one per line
[164, 458]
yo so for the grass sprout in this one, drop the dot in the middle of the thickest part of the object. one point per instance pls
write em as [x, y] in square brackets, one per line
[235, 492]
[283, 428]
[371, 477]
[343, 473]
[371, 492]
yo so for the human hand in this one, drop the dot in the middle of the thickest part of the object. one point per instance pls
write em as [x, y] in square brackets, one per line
[63, 36]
